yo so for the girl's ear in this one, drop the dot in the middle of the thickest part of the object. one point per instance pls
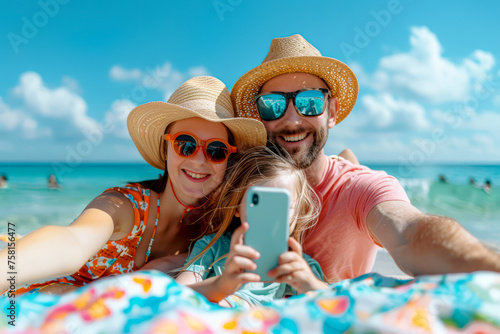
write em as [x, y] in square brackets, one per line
[237, 212]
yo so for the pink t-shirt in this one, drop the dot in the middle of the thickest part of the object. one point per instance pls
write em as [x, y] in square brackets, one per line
[340, 241]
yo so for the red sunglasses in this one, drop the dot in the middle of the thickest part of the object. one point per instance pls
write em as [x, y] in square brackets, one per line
[186, 144]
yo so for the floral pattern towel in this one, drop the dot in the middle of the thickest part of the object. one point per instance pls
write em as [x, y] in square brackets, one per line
[151, 302]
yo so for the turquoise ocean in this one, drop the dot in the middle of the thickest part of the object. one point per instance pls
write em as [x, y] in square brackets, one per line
[28, 203]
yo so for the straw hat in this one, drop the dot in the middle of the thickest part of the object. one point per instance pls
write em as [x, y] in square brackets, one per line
[204, 97]
[290, 55]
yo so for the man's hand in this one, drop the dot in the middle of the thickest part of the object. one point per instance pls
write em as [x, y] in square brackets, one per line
[293, 269]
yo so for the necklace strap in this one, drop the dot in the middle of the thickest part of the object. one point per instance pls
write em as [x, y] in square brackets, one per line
[187, 207]
[154, 230]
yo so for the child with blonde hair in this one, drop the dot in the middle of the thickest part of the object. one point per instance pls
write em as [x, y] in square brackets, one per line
[217, 265]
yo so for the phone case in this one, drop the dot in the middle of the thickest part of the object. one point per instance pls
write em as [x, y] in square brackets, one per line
[269, 223]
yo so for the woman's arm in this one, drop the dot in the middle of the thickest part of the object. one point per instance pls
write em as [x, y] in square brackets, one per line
[349, 155]
[56, 251]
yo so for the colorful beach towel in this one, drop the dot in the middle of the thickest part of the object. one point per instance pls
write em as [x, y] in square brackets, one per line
[151, 302]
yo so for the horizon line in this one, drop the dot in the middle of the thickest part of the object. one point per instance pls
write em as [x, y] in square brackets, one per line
[391, 163]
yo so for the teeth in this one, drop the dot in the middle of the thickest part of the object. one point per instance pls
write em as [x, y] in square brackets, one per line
[195, 176]
[295, 138]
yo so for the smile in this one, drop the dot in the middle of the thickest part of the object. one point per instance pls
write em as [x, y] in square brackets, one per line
[195, 175]
[294, 138]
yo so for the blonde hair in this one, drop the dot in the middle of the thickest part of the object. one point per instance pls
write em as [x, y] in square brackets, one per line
[249, 168]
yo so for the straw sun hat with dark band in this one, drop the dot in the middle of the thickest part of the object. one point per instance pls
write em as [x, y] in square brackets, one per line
[294, 54]
[204, 97]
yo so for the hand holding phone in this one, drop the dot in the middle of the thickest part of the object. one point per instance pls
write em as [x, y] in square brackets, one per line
[295, 271]
[238, 262]
[267, 211]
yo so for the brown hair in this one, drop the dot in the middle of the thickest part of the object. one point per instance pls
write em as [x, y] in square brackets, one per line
[250, 168]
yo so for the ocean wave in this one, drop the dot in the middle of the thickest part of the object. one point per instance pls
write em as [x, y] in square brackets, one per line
[462, 197]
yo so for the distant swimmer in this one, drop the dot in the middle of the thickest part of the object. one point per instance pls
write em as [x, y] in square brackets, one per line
[487, 186]
[442, 179]
[3, 182]
[473, 183]
[53, 184]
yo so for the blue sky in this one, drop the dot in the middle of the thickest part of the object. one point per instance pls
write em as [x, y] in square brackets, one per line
[72, 70]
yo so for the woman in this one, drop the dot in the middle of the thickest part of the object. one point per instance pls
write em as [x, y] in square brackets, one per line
[124, 228]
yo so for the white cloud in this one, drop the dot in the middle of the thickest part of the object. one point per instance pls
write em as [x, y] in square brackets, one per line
[9, 119]
[423, 72]
[117, 117]
[424, 103]
[48, 123]
[384, 112]
[163, 78]
[197, 71]
[6, 146]
[19, 123]
[30, 129]
[119, 73]
[479, 66]
[71, 84]
[484, 122]
[62, 110]
[472, 139]
[496, 100]
[483, 140]
[368, 147]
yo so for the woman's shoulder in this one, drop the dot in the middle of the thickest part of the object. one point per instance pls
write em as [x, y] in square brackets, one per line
[127, 205]
[121, 202]
[131, 188]
[138, 195]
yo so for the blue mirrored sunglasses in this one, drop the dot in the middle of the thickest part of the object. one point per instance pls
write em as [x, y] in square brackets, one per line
[307, 102]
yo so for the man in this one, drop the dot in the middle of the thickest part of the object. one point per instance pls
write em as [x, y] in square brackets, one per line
[299, 95]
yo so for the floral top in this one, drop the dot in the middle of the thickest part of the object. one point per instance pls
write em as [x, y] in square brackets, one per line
[116, 256]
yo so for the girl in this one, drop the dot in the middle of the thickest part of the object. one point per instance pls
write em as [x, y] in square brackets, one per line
[216, 266]
[125, 227]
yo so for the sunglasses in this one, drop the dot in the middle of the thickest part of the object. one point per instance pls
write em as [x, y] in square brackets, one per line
[186, 144]
[307, 102]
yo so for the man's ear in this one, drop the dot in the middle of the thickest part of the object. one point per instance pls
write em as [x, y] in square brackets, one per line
[334, 107]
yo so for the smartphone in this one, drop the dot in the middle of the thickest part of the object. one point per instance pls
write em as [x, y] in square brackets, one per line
[268, 215]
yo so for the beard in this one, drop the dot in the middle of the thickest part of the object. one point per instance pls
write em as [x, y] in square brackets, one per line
[302, 156]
